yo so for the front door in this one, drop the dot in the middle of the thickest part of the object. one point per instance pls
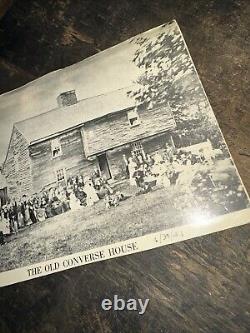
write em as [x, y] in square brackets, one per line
[104, 166]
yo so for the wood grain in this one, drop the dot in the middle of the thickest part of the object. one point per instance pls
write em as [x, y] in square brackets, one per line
[17, 165]
[114, 130]
[72, 158]
[200, 285]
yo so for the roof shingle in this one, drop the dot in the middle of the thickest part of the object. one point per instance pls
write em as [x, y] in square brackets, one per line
[62, 118]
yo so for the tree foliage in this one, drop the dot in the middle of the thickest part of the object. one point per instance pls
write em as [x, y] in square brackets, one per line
[169, 78]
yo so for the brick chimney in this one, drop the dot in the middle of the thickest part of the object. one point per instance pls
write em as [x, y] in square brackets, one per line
[67, 98]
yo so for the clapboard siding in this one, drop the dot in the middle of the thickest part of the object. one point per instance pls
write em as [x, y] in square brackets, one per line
[114, 129]
[17, 169]
[72, 160]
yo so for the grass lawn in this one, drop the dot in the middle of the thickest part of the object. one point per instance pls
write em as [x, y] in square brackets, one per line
[90, 227]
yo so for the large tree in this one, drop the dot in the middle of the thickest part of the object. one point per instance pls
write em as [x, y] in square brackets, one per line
[169, 78]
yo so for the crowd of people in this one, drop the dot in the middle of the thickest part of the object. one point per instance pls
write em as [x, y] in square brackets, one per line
[163, 169]
[144, 171]
[78, 192]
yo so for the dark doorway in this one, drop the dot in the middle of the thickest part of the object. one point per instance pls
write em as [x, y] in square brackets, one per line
[104, 166]
[3, 196]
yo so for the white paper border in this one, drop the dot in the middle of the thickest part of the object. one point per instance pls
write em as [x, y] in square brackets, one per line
[143, 243]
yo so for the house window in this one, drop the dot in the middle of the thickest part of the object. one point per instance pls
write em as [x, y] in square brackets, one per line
[133, 118]
[60, 175]
[56, 148]
[137, 148]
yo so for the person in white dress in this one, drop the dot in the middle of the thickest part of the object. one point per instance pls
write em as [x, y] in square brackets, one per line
[158, 158]
[90, 191]
[74, 203]
[132, 166]
[4, 221]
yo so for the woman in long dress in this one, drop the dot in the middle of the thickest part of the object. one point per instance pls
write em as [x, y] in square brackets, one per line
[90, 191]
[20, 216]
[41, 211]
[132, 166]
[163, 178]
[74, 203]
[5, 223]
[32, 212]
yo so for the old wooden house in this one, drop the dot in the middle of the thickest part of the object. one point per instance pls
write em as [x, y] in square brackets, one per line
[78, 136]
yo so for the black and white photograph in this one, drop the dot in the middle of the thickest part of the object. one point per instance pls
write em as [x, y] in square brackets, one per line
[121, 145]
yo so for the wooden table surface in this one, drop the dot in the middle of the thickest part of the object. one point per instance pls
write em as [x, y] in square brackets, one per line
[199, 285]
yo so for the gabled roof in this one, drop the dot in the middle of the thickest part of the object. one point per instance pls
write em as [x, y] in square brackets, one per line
[60, 119]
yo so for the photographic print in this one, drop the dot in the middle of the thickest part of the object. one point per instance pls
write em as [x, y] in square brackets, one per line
[116, 154]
